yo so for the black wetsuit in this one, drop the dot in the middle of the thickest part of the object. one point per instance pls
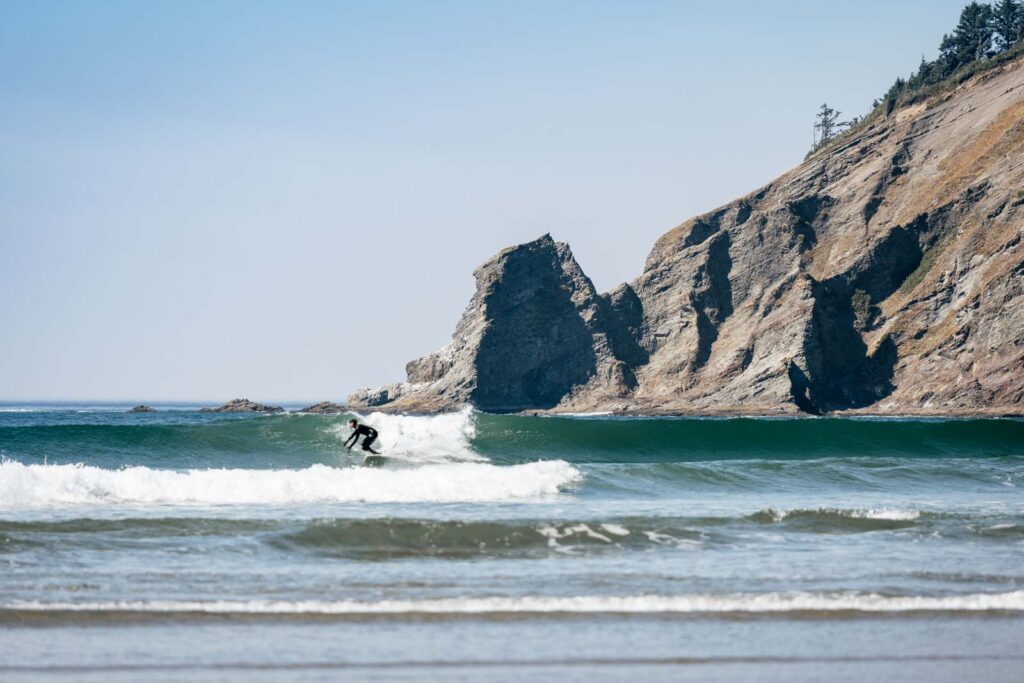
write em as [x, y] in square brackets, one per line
[369, 435]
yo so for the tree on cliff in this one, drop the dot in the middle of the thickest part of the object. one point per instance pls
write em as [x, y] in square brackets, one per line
[1008, 23]
[985, 36]
[826, 125]
[973, 34]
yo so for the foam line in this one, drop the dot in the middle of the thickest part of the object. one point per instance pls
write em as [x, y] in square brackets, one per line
[41, 485]
[735, 603]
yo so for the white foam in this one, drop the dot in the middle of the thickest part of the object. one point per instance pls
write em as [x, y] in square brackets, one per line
[636, 604]
[423, 439]
[892, 515]
[554, 534]
[668, 539]
[45, 485]
[864, 513]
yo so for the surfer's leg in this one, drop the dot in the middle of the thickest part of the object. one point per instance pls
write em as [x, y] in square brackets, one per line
[367, 442]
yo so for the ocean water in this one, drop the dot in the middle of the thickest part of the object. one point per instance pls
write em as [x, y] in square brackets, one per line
[185, 546]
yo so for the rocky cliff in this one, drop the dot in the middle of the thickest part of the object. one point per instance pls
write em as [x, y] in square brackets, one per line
[883, 275]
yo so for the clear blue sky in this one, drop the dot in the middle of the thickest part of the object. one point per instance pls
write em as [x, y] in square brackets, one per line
[285, 200]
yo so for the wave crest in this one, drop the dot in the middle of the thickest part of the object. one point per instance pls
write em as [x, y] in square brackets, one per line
[42, 485]
[793, 603]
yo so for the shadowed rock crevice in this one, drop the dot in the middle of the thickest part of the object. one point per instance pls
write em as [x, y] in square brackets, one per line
[808, 214]
[897, 167]
[743, 212]
[712, 297]
[624, 313]
[703, 228]
[800, 389]
[844, 373]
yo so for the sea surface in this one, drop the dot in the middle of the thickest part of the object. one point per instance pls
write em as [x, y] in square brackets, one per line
[180, 545]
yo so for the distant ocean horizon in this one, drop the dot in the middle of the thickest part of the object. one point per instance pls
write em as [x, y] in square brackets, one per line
[127, 404]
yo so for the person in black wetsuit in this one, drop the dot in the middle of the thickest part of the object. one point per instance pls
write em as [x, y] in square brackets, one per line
[368, 433]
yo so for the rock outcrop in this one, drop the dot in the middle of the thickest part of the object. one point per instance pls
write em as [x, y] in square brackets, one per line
[142, 409]
[324, 408]
[883, 275]
[243, 405]
[535, 332]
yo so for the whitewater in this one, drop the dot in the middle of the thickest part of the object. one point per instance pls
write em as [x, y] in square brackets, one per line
[47, 485]
[507, 541]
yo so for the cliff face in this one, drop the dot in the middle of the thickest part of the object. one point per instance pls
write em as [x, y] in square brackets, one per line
[883, 275]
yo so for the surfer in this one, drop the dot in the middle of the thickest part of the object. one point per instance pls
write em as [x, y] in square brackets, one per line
[368, 433]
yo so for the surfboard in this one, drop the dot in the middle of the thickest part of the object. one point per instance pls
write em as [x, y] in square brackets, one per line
[374, 460]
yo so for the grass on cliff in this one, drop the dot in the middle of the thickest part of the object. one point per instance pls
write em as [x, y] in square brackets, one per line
[928, 260]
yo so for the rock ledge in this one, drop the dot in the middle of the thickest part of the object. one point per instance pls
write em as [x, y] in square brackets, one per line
[324, 408]
[243, 405]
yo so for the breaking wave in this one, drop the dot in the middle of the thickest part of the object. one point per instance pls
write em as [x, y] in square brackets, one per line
[197, 440]
[24, 485]
[422, 439]
[793, 603]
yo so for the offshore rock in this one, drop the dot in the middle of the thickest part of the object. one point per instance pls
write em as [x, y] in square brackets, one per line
[324, 408]
[883, 275]
[243, 405]
[142, 409]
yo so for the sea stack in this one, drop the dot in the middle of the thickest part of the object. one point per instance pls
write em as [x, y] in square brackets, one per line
[142, 409]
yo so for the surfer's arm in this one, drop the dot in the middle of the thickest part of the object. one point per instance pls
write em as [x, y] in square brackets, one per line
[352, 439]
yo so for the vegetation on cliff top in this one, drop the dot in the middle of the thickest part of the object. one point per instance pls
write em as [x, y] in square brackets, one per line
[985, 37]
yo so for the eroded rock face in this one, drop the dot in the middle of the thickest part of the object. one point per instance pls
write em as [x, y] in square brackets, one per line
[885, 275]
[535, 332]
[243, 405]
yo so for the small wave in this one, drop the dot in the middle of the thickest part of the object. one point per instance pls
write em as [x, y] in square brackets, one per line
[382, 539]
[794, 603]
[1004, 531]
[838, 519]
[42, 485]
[880, 514]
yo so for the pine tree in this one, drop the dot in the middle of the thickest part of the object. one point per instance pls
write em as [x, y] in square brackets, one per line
[893, 96]
[948, 60]
[973, 34]
[826, 126]
[1008, 22]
